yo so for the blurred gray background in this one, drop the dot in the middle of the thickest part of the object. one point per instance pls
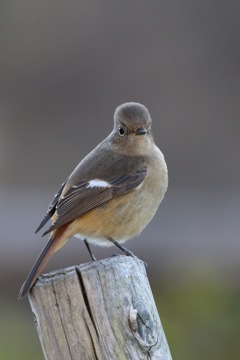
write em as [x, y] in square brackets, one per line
[64, 68]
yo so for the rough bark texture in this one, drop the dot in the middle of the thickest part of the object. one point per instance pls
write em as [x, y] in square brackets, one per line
[98, 311]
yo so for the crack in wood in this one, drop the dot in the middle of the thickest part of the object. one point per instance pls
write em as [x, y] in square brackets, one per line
[91, 339]
[85, 299]
[60, 317]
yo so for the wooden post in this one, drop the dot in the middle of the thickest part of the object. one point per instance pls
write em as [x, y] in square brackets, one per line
[102, 310]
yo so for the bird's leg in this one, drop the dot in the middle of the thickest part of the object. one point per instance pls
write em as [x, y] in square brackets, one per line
[89, 250]
[126, 251]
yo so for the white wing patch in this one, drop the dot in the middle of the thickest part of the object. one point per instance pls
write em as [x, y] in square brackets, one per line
[98, 183]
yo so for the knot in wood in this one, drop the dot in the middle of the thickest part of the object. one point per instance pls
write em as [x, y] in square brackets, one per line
[142, 327]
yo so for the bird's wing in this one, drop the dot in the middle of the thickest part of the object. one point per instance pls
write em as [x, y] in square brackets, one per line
[87, 195]
[51, 207]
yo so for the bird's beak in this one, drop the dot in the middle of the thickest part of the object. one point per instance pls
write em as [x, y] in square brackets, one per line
[141, 131]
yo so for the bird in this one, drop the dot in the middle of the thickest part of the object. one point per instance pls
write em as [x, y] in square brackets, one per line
[112, 194]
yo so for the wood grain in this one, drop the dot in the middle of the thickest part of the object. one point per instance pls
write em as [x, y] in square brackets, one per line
[98, 311]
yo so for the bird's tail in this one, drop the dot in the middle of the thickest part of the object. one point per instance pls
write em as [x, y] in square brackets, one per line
[56, 241]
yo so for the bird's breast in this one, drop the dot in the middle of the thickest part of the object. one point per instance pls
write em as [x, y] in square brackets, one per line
[127, 215]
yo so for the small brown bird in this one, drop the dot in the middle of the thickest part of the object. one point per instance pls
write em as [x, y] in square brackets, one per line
[112, 194]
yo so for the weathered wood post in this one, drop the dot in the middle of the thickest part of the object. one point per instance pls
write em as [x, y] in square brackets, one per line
[102, 310]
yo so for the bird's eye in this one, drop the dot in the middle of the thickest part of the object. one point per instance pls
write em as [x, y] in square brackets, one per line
[121, 131]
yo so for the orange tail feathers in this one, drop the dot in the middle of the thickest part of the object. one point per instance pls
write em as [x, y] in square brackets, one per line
[56, 241]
